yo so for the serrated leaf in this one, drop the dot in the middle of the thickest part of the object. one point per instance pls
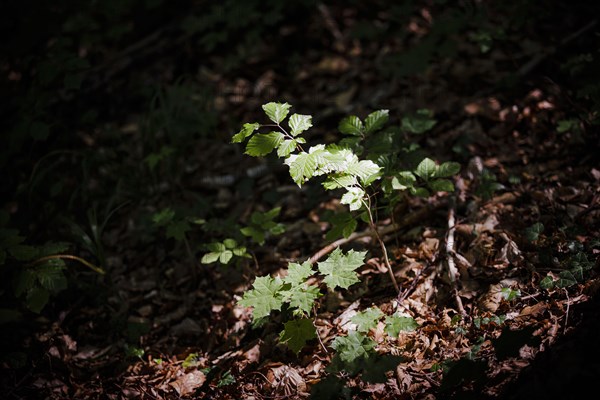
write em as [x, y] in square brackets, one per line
[441, 185]
[286, 147]
[339, 268]
[367, 319]
[262, 144]
[264, 296]
[426, 168]
[353, 198]
[419, 123]
[364, 170]
[351, 125]
[276, 111]
[299, 123]
[36, 299]
[302, 298]
[336, 181]
[247, 130]
[50, 275]
[447, 169]
[343, 224]
[23, 252]
[354, 346]
[396, 324]
[296, 333]
[297, 273]
[302, 166]
[177, 230]
[376, 120]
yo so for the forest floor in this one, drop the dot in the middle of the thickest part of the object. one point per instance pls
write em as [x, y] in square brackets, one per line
[520, 321]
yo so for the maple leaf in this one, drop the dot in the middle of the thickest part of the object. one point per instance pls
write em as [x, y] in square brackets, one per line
[296, 333]
[303, 298]
[297, 273]
[354, 346]
[264, 296]
[395, 324]
[339, 268]
[367, 319]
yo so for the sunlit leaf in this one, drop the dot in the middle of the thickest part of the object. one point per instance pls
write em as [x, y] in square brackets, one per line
[247, 130]
[262, 144]
[264, 296]
[351, 125]
[367, 319]
[426, 168]
[339, 269]
[353, 198]
[276, 111]
[299, 123]
[297, 273]
[396, 324]
[352, 347]
[376, 120]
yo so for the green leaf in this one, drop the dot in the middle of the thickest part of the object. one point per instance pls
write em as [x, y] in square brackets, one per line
[339, 268]
[353, 197]
[52, 248]
[296, 333]
[230, 244]
[376, 120]
[23, 252]
[256, 234]
[336, 181]
[447, 169]
[36, 299]
[247, 130]
[23, 281]
[225, 257]
[297, 273]
[547, 282]
[367, 319]
[396, 324]
[163, 217]
[353, 347]
[299, 123]
[302, 166]
[419, 191]
[403, 180]
[177, 230]
[426, 169]
[210, 258]
[566, 279]
[51, 276]
[441, 185]
[286, 147]
[419, 123]
[351, 125]
[364, 170]
[533, 232]
[276, 111]
[342, 224]
[262, 144]
[264, 296]
[302, 298]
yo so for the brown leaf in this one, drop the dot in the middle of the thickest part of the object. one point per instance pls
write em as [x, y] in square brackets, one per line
[189, 382]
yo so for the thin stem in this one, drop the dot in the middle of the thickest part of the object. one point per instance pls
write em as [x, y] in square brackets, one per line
[69, 257]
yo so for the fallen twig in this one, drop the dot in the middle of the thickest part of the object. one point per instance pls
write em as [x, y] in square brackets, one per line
[452, 270]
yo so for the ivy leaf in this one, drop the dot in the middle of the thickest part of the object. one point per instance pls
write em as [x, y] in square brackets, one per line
[299, 123]
[419, 123]
[396, 324]
[247, 130]
[297, 273]
[441, 185]
[447, 169]
[276, 111]
[565, 279]
[264, 296]
[296, 333]
[547, 282]
[367, 319]
[339, 268]
[353, 197]
[351, 125]
[354, 346]
[262, 144]
[376, 120]
[533, 232]
[426, 169]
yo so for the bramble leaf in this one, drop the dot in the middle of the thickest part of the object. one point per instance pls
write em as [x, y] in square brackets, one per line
[296, 333]
[367, 319]
[351, 125]
[264, 296]
[376, 120]
[247, 130]
[299, 123]
[262, 144]
[447, 169]
[276, 111]
[339, 268]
